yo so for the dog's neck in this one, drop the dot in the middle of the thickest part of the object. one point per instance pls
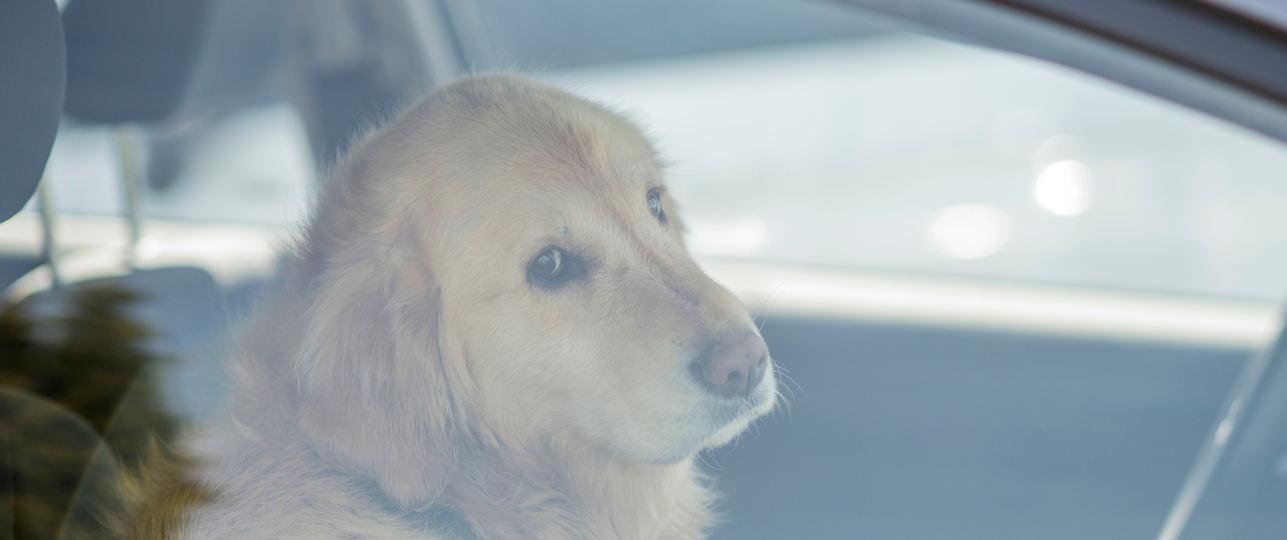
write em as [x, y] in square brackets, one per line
[582, 495]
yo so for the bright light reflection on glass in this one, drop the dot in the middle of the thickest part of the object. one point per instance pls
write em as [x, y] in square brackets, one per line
[969, 231]
[741, 238]
[1063, 188]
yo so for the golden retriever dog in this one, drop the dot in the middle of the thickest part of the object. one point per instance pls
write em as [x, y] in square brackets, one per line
[492, 329]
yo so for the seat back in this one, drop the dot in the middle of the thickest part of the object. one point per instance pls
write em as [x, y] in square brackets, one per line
[33, 75]
[130, 60]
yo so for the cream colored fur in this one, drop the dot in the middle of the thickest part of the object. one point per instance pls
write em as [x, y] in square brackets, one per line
[410, 382]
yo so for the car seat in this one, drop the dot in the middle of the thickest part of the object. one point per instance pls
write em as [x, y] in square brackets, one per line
[125, 62]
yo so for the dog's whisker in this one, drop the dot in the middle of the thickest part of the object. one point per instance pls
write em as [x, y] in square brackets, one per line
[767, 303]
[783, 403]
[782, 406]
[755, 312]
[783, 373]
[737, 444]
[789, 392]
[716, 466]
[785, 390]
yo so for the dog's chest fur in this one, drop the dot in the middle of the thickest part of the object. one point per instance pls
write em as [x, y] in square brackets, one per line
[287, 491]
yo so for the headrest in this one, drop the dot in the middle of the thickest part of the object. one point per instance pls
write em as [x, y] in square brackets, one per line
[130, 60]
[33, 75]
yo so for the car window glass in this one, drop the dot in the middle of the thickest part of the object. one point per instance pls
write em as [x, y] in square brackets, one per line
[907, 153]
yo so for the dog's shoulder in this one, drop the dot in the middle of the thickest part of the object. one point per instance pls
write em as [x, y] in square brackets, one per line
[284, 490]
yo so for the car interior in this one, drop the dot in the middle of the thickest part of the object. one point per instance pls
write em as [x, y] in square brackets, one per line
[1023, 261]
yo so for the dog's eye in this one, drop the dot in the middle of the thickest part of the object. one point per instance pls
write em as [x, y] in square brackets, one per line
[552, 268]
[548, 265]
[654, 204]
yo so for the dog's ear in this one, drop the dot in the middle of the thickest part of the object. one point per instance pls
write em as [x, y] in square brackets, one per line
[374, 396]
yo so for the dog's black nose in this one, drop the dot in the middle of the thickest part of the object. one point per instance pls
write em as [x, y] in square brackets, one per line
[733, 365]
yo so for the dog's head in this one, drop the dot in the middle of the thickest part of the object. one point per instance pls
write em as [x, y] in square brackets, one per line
[502, 268]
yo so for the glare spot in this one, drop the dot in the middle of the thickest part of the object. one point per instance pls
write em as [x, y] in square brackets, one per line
[1063, 188]
[969, 231]
[743, 237]
[1223, 431]
[1225, 428]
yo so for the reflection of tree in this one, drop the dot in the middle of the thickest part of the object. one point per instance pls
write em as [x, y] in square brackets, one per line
[90, 360]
